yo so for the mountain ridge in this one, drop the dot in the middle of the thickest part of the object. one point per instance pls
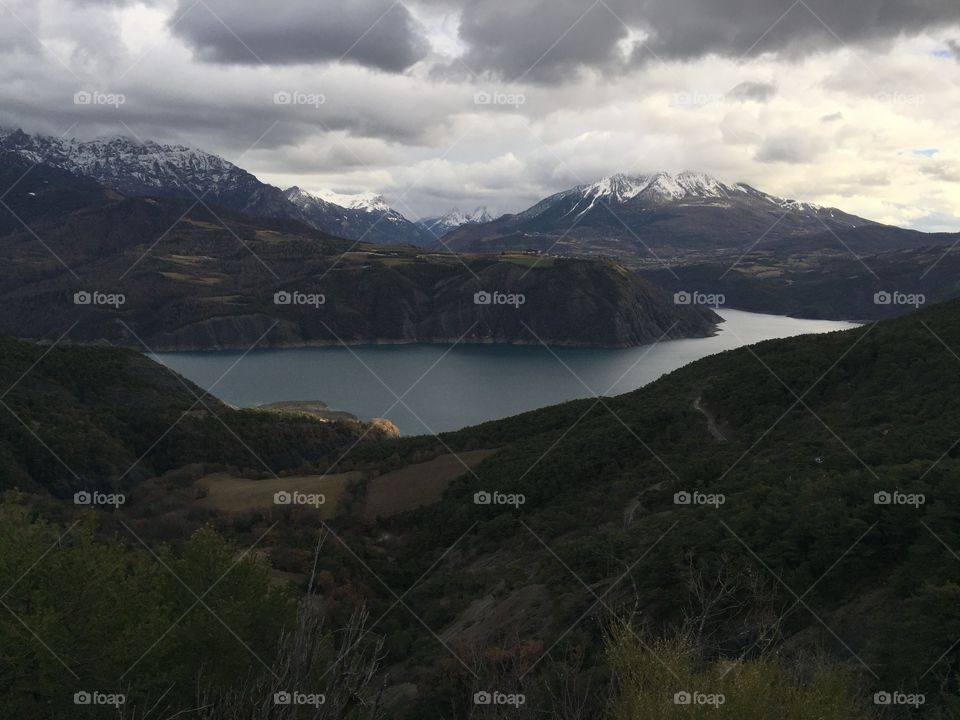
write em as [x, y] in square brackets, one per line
[632, 216]
[145, 168]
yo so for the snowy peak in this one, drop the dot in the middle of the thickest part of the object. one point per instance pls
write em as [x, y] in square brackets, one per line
[443, 224]
[120, 161]
[660, 186]
[367, 201]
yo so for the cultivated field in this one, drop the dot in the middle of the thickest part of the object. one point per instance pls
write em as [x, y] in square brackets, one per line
[415, 485]
[232, 494]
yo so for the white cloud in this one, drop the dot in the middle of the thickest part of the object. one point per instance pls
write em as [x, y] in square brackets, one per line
[834, 127]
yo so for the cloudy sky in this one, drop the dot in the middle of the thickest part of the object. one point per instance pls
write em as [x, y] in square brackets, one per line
[436, 103]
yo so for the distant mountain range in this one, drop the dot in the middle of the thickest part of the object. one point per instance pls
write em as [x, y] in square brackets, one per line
[149, 169]
[685, 231]
[627, 216]
[364, 217]
[440, 225]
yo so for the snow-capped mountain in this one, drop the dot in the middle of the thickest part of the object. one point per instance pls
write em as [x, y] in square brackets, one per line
[440, 225]
[362, 216]
[152, 169]
[627, 214]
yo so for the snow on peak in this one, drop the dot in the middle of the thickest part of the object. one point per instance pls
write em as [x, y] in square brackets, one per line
[454, 219]
[457, 217]
[366, 201]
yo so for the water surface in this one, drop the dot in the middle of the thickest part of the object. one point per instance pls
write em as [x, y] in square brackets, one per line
[446, 389]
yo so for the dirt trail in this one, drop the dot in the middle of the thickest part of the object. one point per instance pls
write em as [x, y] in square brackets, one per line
[711, 421]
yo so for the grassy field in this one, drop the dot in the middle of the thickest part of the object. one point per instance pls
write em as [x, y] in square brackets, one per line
[414, 485]
[529, 260]
[232, 494]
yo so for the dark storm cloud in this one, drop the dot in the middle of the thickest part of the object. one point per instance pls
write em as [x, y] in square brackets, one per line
[548, 40]
[693, 28]
[753, 91]
[376, 33]
[544, 40]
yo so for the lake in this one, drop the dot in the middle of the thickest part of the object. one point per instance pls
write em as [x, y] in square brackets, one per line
[447, 389]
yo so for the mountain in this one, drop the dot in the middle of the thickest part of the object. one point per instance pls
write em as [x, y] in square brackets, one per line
[623, 215]
[364, 216]
[179, 279]
[154, 170]
[150, 169]
[34, 192]
[440, 225]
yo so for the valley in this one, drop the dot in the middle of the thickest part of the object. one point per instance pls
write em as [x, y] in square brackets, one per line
[814, 428]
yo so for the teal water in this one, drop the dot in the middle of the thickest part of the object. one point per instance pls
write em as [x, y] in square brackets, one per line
[447, 389]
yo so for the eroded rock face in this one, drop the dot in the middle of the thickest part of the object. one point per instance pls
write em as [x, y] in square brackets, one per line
[385, 428]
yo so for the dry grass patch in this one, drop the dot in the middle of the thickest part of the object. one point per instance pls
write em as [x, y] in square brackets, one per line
[228, 493]
[415, 485]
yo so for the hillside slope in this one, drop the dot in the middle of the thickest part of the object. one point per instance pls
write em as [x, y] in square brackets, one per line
[823, 513]
[812, 429]
[191, 280]
[85, 418]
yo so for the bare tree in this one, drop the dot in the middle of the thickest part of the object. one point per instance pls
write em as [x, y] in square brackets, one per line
[316, 675]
